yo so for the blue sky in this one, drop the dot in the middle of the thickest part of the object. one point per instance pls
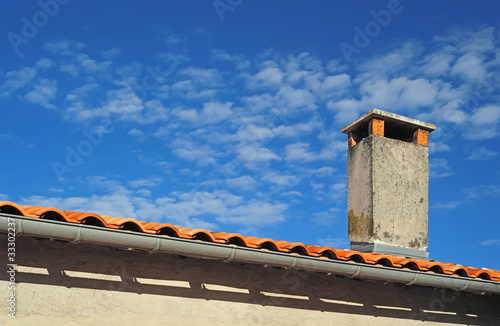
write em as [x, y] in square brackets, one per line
[226, 115]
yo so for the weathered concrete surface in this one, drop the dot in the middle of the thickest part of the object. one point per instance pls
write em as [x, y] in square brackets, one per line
[388, 193]
[67, 284]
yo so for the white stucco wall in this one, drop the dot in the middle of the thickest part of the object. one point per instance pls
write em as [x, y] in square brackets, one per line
[68, 284]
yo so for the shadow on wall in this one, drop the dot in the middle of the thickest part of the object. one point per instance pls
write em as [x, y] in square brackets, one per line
[57, 263]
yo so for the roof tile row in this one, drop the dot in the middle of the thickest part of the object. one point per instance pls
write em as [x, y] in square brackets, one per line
[296, 248]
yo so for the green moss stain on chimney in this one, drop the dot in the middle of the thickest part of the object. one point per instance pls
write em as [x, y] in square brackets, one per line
[359, 226]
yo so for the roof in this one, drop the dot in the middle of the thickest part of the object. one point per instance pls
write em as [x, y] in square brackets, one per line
[292, 248]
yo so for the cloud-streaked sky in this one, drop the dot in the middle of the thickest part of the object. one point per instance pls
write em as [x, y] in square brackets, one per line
[226, 114]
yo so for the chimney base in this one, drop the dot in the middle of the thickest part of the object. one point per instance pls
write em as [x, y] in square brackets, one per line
[382, 248]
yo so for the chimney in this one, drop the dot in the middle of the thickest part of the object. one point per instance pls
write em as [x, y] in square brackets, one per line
[388, 180]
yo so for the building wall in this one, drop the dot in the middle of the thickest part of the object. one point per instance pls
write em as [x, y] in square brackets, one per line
[77, 284]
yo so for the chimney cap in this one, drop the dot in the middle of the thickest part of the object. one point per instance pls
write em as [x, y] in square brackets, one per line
[394, 119]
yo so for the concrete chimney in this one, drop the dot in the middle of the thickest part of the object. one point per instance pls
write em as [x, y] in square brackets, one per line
[388, 180]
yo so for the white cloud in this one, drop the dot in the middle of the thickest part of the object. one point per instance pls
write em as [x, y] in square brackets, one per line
[90, 65]
[436, 64]
[296, 130]
[482, 191]
[449, 112]
[316, 186]
[137, 134]
[215, 112]
[121, 103]
[259, 102]
[491, 242]
[470, 67]
[396, 94]
[202, 76]
[438, 168]
[256, 154]
[337, 243]
[188, 90]
[292, 98]
[191, 151]
[64, 47]
[284, 180]
[268, 77]
[186, 114]
[44, 91]
[192, 209]
[299, 152]
[486, 115]
[338, 83]
[481, 154]
[15, 80]
[479, 41]
[445, 205]
[111, 53]
[329, 217]
[145, 183]
[245, 182]
[154, 111]
[44, 63]
[435, 147]
[338, 191]
[255, 214]
[393, 61]
[483, 123]
[251, 132]
[399, 93]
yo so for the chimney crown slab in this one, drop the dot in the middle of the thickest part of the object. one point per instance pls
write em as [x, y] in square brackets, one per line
[386, 124]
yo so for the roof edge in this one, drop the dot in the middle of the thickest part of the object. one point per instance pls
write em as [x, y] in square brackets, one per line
[79, 233]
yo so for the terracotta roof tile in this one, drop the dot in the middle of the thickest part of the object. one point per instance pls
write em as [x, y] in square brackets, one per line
[296, 248]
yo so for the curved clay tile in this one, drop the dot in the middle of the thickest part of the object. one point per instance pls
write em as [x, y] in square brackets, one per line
[149, 225]
[320, 251]
[85, 218]
[129, 224]
[262, 243]
[371, 257]
[452, 269]
[196, 234]
[436, 268]
[230, 238]
[292, 247]
[356, 256]
[461, 272]
[479, 273]
[495, 275]
[384, 261]
[409, 263]
[8, 207]
[162, 228]
[48, 213]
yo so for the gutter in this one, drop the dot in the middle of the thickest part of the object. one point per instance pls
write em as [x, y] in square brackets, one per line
[80, 233]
